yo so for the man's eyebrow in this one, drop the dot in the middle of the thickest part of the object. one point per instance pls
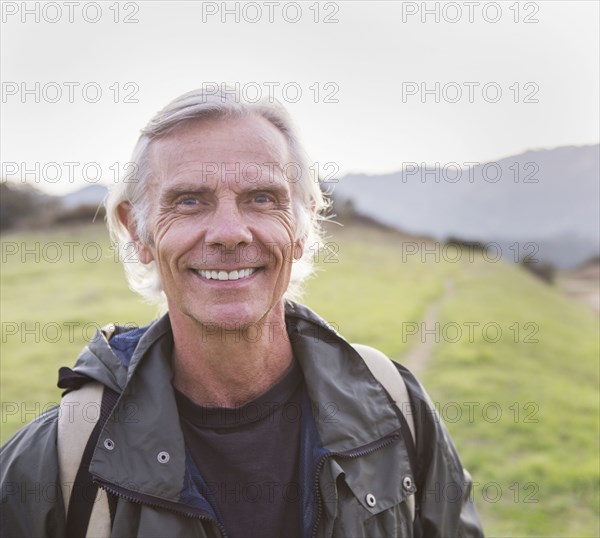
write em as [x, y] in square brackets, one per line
[267, 186]
[183, 188]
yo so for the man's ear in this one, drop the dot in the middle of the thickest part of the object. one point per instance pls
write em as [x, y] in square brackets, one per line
[125, 212]
[299, 248]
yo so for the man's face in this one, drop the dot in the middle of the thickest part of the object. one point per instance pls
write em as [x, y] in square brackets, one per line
[221, 221]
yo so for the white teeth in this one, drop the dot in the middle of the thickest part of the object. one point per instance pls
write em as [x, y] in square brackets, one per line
[224, 275]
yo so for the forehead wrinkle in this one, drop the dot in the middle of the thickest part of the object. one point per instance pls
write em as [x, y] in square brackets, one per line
[266, 144]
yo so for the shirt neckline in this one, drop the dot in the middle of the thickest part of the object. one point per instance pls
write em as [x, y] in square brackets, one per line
[230, 417]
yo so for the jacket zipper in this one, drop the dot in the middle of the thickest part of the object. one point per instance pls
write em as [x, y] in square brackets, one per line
[120, 492]
[356, 453]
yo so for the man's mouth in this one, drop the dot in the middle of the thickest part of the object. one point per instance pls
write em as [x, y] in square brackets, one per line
[220, 274]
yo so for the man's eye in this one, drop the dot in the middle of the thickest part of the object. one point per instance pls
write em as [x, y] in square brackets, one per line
[262, 198]
[188, 201]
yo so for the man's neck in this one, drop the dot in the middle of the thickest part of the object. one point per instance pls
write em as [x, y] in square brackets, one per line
[228, 368]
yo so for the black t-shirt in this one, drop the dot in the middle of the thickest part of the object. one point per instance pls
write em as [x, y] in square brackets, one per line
[248, 457]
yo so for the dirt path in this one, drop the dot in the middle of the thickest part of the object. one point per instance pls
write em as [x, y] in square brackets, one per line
[423, 341]
[583, 284]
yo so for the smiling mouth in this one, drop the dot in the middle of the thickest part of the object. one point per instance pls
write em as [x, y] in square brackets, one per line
[218, 274]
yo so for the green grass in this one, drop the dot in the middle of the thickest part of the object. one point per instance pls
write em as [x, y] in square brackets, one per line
[366, 291]
[535, 466]
[543, 449]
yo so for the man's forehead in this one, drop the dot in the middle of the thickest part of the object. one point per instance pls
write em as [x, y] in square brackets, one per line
[243, 153]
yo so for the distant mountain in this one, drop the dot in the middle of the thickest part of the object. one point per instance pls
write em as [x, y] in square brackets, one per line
[90, 195]
[547, 197]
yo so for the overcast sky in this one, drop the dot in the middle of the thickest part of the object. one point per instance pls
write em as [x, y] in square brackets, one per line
[355, 84]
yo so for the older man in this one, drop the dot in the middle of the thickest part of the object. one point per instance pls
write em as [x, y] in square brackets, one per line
[239, 412]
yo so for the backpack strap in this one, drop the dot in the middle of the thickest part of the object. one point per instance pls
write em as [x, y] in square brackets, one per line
[386, 373]
[82, 415]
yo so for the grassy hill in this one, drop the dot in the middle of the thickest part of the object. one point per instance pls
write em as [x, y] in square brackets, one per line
[513, 368]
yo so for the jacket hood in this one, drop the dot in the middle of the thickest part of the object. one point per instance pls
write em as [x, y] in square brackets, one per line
[113, 353]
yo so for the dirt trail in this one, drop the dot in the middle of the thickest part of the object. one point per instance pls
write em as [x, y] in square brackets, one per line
[423, 341]
[583, 284]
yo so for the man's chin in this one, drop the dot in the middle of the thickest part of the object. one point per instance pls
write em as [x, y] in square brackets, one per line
[231, 318]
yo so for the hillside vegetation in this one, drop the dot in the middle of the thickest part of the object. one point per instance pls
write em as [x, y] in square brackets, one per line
[513, 368]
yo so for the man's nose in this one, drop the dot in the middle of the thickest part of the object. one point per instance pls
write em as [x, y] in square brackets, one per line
[227, 227]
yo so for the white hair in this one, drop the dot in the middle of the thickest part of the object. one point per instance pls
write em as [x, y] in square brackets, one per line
[308, 200]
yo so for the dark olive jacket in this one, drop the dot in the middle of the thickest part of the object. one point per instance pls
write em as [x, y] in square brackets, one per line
[355, 471]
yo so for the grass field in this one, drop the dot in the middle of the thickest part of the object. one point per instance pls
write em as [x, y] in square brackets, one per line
[513, 372]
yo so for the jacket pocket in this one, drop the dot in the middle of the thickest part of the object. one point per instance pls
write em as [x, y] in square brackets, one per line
[354, 519]
[372, 494]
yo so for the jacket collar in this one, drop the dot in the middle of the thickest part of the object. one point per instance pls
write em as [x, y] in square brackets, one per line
[349, 407]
